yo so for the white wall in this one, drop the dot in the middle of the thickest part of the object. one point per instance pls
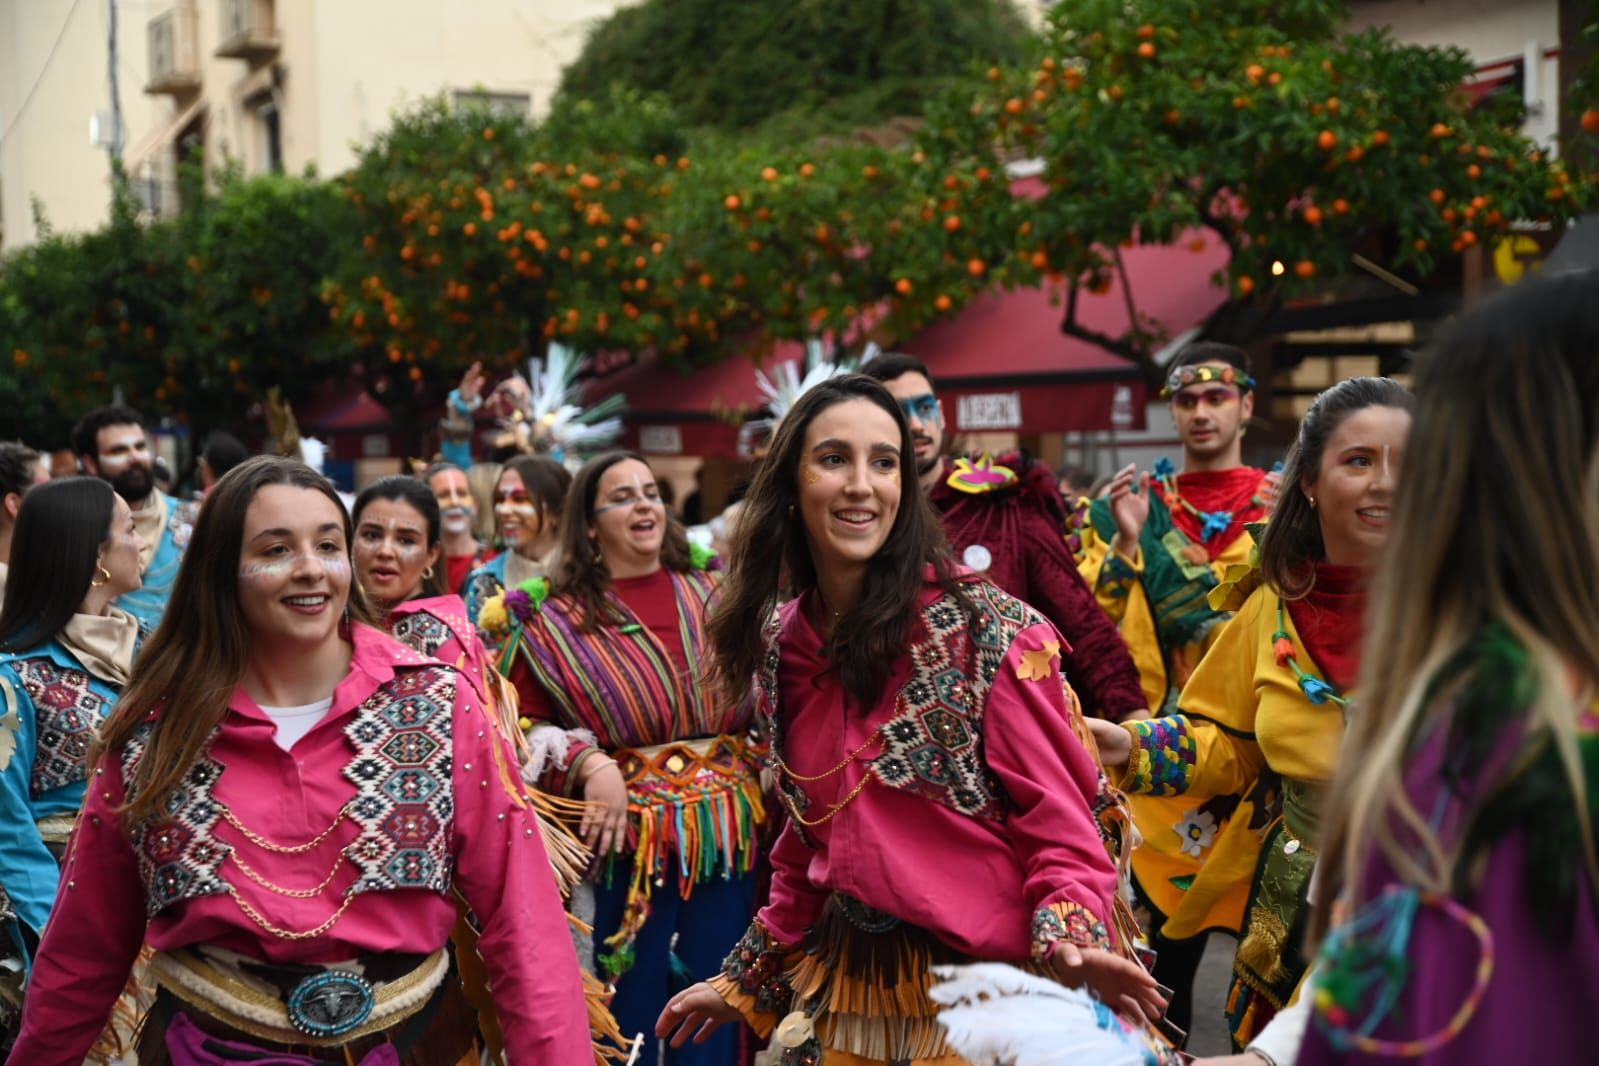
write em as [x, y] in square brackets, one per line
[1491, 31]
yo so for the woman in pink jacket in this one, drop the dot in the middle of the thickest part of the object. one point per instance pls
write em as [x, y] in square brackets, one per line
[938, 797]
[286, 802]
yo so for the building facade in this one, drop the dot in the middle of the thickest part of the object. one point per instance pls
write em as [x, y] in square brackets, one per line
[273, 84]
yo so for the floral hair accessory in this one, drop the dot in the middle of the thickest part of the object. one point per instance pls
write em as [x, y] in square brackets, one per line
[1184, 376]
[516, 605]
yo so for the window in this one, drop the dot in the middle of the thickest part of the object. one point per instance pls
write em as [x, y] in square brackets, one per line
[510, 103]
[267, 121]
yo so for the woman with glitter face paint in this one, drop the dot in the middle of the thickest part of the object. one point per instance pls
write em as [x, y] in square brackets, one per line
[528, 499]
[609, 657]
[463, 553]
[286, 805]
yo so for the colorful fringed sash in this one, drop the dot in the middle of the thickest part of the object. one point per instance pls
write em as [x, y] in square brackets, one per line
[696, 800]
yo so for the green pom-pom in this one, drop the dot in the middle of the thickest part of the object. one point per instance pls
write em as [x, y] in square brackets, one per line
[700, 555]
[537, 589]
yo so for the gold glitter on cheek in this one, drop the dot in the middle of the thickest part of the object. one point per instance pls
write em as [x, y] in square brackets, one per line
[812, 477]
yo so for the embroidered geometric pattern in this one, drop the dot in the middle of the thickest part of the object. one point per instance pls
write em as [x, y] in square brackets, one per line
[67, 711]
[404, 802]
[179, 855]
[422, 632]
[755, 965]
[933, 746]
[1162, 762]
[1066, 922]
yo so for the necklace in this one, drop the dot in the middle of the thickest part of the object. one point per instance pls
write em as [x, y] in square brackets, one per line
[1316, 690]
[833, 809]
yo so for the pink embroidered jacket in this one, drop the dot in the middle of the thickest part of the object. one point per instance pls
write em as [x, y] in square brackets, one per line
[437, 627]
[977, 825]
[454, 819]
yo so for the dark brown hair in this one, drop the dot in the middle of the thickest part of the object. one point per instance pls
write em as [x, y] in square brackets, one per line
[1293, 536]
[400, 488]
[54, 551]
[578, 574]
[769, 542]
[196, 657]
[546, 481]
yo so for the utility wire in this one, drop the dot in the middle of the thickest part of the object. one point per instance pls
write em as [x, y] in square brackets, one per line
[26, 100]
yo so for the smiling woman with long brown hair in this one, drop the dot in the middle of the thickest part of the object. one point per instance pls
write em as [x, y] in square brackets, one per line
[286, 804]
[938, 798]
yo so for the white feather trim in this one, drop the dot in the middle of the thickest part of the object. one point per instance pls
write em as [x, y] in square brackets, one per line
[998, 1014]
[550, 745]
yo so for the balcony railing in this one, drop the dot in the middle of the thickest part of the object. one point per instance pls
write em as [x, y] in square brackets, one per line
[247, 30]
[174, 58]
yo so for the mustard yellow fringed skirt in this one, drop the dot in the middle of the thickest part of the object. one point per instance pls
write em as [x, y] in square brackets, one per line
[861, 993]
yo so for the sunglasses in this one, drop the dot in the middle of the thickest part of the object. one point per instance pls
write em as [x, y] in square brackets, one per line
[923, 408]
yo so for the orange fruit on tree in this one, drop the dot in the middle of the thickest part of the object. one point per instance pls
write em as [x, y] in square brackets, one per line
[1305, 268]
[470, 229]
[1440, 130]
[732, 201]
[1313, 215]
[1474, 172]
[1145, 32]
[1274, 78]
[1254, 72]
[1040, 260]
[1146, 50]
[1340, 206]
[1590, 120]
[976, 267]
[952, 223]
[942, 302]
[1355, 154]
[1173, 117]
[768, 173]
[1014, 106]
[903, 286]
[1437, 196]
[1468, 237]
[994, 73]
[1327, 140]
[1379, 138]
[807, 170]
[1420, 244]
[1244, 285]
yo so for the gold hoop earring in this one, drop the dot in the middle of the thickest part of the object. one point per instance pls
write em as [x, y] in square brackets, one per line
[101, 579]
[1312, 500]
[427, 575]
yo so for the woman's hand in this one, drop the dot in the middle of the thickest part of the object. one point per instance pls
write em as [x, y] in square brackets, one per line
[604, 826]
[1114, 742]
[1121, 983]
[697, 1011]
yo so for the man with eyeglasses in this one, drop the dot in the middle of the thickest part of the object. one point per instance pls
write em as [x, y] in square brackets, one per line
[1006, 521]
[1152, 547]
[112, 444]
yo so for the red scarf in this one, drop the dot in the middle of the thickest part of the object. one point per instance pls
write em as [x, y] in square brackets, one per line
[1216, 490]
[1330, 621]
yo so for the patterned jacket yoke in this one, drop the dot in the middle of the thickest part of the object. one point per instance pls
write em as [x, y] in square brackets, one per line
[933, 744]
[402, 807]
[67, 710]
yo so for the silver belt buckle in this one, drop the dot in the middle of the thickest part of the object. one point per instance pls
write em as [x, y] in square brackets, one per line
[331, 1003]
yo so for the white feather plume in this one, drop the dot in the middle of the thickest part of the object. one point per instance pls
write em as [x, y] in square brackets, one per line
[998, 1014]
[786, 384]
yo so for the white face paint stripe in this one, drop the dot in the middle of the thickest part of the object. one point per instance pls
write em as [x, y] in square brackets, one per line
[279, 567]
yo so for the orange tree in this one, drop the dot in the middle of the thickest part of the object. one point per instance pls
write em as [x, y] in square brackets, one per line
[1262, 121]
[89, 313]
[798, 242]
[482, 237]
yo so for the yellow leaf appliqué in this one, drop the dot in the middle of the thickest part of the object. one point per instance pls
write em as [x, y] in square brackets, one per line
[1035, 665]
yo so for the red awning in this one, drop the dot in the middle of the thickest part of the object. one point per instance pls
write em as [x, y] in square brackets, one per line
[1002, 363]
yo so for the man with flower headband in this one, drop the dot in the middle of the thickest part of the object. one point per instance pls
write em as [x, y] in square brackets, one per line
[1152, 548]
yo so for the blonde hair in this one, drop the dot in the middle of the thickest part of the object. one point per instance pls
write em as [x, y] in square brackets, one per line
[1495, 532]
